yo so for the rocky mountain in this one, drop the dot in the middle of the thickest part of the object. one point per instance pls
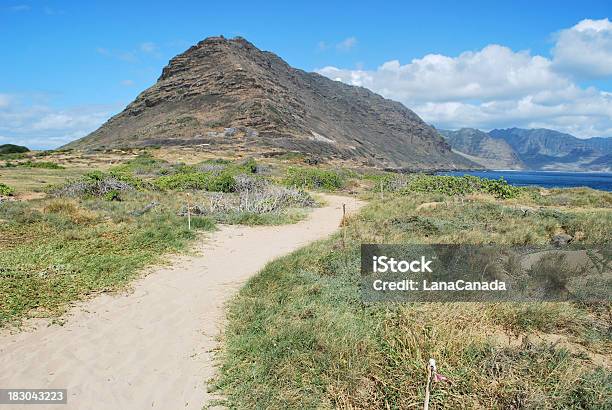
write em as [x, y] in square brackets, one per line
[227, 92]
[548, 149]
[480, 147]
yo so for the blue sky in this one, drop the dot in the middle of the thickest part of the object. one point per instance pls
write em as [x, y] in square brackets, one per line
[69, 65]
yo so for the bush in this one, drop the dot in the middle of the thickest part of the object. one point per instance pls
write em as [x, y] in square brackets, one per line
[6, 190]
[143, 164]
[94, 184]
[314, 178]
[197, 181]
[455, 185]
[112, 195]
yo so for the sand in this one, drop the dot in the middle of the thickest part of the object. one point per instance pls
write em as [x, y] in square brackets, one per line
[153, 348]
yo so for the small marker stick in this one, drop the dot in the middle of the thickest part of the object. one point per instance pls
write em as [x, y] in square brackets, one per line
[188, 211]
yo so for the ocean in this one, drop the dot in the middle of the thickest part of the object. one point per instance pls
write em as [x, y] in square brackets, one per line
[546, 179]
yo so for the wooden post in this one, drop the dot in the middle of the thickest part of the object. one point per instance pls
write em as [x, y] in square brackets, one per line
[431, 372]
[343, 226]
[188, 211]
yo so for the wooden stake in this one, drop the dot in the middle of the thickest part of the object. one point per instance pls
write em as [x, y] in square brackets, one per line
[343, 226]
[188, 211]
[431, 369]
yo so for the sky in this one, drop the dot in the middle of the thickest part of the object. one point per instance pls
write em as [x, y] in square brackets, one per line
[68, 66]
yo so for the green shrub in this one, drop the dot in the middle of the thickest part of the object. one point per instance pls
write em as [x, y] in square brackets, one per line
[249, 166]
[6, 190]
[221, 183]
[142, 164]
[314, 178]
[455, 185]
[112, 195]
[197, 181]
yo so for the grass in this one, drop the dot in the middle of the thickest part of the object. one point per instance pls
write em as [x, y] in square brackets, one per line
[298, 334]
[92, 231]
[291, 215]
[58, 251]
[37, 164]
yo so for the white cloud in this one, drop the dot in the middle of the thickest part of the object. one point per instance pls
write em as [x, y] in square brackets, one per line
[347, 44]
[322, 46]
[585, 50]
[27, 122]
[148, 47]
[127, 83]
[489, 88]
[4, 100]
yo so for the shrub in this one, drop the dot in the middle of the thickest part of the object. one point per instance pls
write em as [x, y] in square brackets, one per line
[143, 164]
[314, 178]
[112, 195]
[93, 184]
[250, 183]
[269, 200]
[197, 181]
[6, 190]
[249, 166]
[455, 185]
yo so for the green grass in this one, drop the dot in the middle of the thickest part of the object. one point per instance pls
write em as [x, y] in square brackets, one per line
[30, 164]
[252, 219]
[95, 236]
[58, 251]
[298, 334]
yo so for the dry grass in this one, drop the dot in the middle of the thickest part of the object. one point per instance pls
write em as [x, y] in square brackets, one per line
[299, 335]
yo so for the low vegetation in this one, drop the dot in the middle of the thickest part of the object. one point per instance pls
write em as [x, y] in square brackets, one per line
[314, 178]
[94, 231]
[298, 334]
[59, 250]
[6, 190]
[257, 201]
[442, 184]
[30, 164]
[12, 149]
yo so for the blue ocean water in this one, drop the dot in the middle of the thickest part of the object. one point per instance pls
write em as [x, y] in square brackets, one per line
[546, 179]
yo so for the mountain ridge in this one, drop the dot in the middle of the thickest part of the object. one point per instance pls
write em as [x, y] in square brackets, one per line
[535, 149]
[227, 92]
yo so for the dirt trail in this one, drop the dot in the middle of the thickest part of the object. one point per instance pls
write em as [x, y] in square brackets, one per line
[152, 348]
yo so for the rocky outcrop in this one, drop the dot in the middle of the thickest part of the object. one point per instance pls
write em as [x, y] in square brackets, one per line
[224, 92]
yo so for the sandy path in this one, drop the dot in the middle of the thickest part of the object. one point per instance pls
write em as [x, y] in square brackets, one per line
[151, 348]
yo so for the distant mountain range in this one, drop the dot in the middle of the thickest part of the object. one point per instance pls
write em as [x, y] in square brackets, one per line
[537, 149]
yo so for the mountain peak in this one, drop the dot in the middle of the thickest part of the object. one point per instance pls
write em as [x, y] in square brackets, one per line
[228, 93]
